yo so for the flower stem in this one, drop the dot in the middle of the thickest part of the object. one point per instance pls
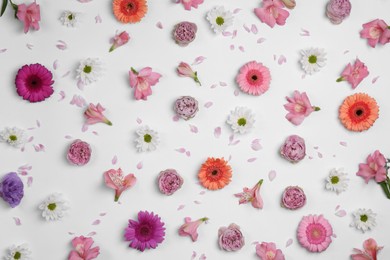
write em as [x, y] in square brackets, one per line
[204, 219]
[340, 79]
[112, 48]
[196, 78]
[134, 71]
[260, 182]
[116, 198]
[316, 108]
[385, 186]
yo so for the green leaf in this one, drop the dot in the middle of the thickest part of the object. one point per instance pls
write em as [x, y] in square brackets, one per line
[3, 7]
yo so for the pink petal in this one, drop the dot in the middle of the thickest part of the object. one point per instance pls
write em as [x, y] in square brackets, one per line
[181, 150]
[98, 19]
[343, 143]
[68, 137]
[341, 213]
[188, 153]
[319, 155]
[114, 160]
[25, 167]
[80, 85]
[252, 159]
[96, 222]
[202, 192]
[17, 221]
[208, 104]
[241, 48]
[71, 233]
[346, 51]
[198, 60]
[272, 175]
[175, 118]
[235, 142]
[217, 132]
[84, 1]
[193, 129]
[90, 234]
[139, 121]
[254, 29]
[140, 165]
[3, 50]
[62, 94]
[181, 207]
[78, 101]
[55, 64]
[234, 34]
[236, 11]
[95, 133]
[260, 40]
[256, 145]
[374, 79]
[61, 45]
[193, 255]
[315, 147]
[226, 33]
[305, 32]
[236, 92]
[213, 86]
[232, 47]
[103, 214]
[39, 147]
[274, 57]
[29, 46]
[29, 181]
[337, 207]
[197, 202]
[282, 60]
[31, 128]
[84, 128]
[30, 139]
[231, 138]
[202, 257]
[222, 84]
[159, 25]
[334, 235]
[289, 242]
[38, 123]
[66, 74]
[246, 28]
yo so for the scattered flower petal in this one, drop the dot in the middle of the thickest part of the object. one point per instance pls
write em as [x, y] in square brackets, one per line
[346, 51]
[256, 145]
[343, 143]
[282, 60]
[234, 34]
[17, 221]
[208, 104]
[102, 214]
[181, 207]
[98, 19]
[375, 79]
[232, 47]
[29, 181]
[197, 202]
[84, 128]
[175, 118]
[202, 257]
[241, 48]
[188, 153]
[226, 33]
[222, 84]
[217, 132]
[78, 101]
[68, 137]
[252, 159]
[181, 150]
[254, 29]
[66, 74]
[236, 11]
[193, 129]
[159, 25]
[96, 222]
[272, 175]
[193, 255]
[61, 45]
[55, 64]
[3, 50]
[39, 147]
[319, 155]
[304, 32]
[260, 40]
[62, 94]
[114, 160]
[246, 28]
[90, 234]
[289, 242]
[236, 92]
[341, 213]
[140, 165]
[29, 46]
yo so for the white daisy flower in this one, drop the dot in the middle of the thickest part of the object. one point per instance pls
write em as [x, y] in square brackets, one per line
[89, 71]
[13, 136]
[312, 60]
[69, 19]
[219, 19]
[54, 207]
[20, 252]
[147, 139]
[363, 219]
[241, 120]
[337, 181]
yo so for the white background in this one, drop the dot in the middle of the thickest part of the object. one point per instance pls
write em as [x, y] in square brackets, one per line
[150, 46]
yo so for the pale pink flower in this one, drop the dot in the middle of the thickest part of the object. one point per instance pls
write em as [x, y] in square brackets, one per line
[299, 107]
[30, 16]
[314, 233]
[268, 251]
[119, 40]
[143, 81]
[376, 31]
[230, 238]
[82, 249]
[338, 10]
[354, 74]
[185, 70]
[190, 3]
[370, 252]
[254, 78]
[190, 228]
[374, 168]
[251, 195]
[116, 180]
[290, 4]
[94, 114]
[272, 13]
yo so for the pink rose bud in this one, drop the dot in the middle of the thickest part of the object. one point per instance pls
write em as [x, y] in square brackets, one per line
[186, 107]
[230, 238]
[185, 70]
[119, 40]
[169, 181]
[293, 149]
[184, 33]
[79, 153]
[293, 198]
[338, 10]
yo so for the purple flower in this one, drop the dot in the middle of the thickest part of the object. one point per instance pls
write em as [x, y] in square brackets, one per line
[169, 181]
[186, 107]
[293, 149]
[338, 10]
[230, 238]
[79, 152]
[11, 189]
[184, 33]
[293, 197]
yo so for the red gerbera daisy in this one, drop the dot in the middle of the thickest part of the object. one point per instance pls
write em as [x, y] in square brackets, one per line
[215, 173]
[129, 11]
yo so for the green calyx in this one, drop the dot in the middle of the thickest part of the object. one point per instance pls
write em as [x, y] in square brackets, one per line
[52, 206]
[134, 71]
[260, 182]
[241, 121]
[316, 108]
[204, 219]
[147, 138]
[386, 187]
[312, 59]
[220, 21]
[87, 69]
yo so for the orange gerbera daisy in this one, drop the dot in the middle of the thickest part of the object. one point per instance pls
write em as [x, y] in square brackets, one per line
[129, 11]
[358, 112]
[215, 173]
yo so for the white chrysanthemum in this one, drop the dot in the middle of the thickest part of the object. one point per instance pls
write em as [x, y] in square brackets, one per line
[54, 207]
[312, 60]
[147, 139]
[241, 120]
[363, 219]
[21, 252]
[13, 136]
[89, 71]
[337, 181]
[219, 19]
[70, 19]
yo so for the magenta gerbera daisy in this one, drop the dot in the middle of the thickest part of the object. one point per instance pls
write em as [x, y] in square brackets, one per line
[34, 82]
[254, 78]
[314, 233]
[145, 233]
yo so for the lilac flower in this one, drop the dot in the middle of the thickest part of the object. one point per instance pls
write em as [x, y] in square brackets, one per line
[11, 189]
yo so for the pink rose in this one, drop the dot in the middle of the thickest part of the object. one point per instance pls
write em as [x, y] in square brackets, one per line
[169, 181]
[186, 107]
[230, 238]
[293, 149]
[79, 153]
[184, 33]
[293, 198]
[338, 10]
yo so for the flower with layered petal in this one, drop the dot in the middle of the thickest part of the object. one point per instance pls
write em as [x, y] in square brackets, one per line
[115, 179]
[314, 233]
[374, 168]
[231, 238]
[268, 251]
[370, 252]
[143, 81]
[354, 74]
[94, 114]
[185, 70]
[251, 195]
[30, 16]
[119, 40]
[299, 107]
[190, 228]
[272, 13]
[376, 31]
[82, 249]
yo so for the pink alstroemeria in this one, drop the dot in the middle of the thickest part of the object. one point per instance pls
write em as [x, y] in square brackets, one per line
[268, 251]
[370, 252]
[299, 107]
[376, 31]
[82, 249]
[119, 40]
[354, 74]
[251, 195]
[94, 114]
[272, 13]
[142, 81]
[116, 180]
[185, 70]
[190, 3]
[190, 228]
[30, 15]
[374, 168]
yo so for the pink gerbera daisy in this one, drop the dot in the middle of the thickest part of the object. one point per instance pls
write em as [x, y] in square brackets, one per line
[145, 233]
[314, 233]
[34, 82]
[254, 78]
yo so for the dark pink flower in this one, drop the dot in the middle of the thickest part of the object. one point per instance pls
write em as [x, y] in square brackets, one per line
[272, 13]
[231, 238]
[143, 81]
[293, 149]
[298, 107]
[254, 78]
[315, 233]
[119, 40]
[376, 31]
[354, 74]
[252, 195]
[169, 181]
[79, 153]
[370, 252]
[190, 3]
[190, 228]
[374, 168]
[115, 179]
[82, 249]
[338, 10]
[30, 16]
[94, 114]
[268, 251]
[293, 198]
[184, 33]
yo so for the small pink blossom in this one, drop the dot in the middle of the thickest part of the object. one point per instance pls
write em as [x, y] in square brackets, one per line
[231, 238]
[115, 179]
[94, 114]
[268, 251]
[370, 252]
[272, 13]
[119, 40]
[374, 168]
[142, 81]
[298, 107]
[82, 249]
[251, 195]
[185, 70]
[376, 31]
[30, 16]
[190, 3]
[354, 74]
[190, 228]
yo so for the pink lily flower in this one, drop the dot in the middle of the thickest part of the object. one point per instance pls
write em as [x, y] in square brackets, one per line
[30, 16]
[142, 82]
[119, 40]
[185, 70]
[376, 31]
[374, 168]
[354, 74]
[116, 180]
[82, 249]
[190, 228]
[94, 114]
[299, 107]
[190, 3]
[268, 251]
[272, 13]
[251, 195]
[370, 252]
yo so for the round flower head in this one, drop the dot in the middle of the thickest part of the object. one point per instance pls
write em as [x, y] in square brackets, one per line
[254, 78]
[184, 33]
[186, 107]
[69, 19]
[314, 233]
[358, 112]
[312, 60]
[21, 252]
[12, 189]
[241, 120]
[147, 139]
[219, 19]
[79, 152]
[215, 173]
[169, 181]
[88, 71]
[363, 219]
[34, 82]
[337, 181]
[338, 10]
[13, 136]
[146, 233]
[129, 11]
[230, 238]
[53, 207]
[293, 149]
[293, 198]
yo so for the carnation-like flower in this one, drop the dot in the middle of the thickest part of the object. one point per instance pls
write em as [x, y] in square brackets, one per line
[293, 149]
[11, 189]
[29, 15]
[185, 70]
[186, 107]
[146, 233]
[142, 82]
[268, 251]
[337, 181]
[147, 139]
[69, 18]
[354, 74]
[21, 252]
[54, 207]
[13, 136]
[190, 3]
[219, 19]
[190, 228]
[230, 238]
[169, 181]
[312, 60]
[215, 173]
[79, 152]
[94, 114]
[241, 120]
[370, 252]
[299, 107]
[272, 13]
[119, 40]
[251, 195]
[363, 219]
[129, 11]
[88, 71]
[338, 10]
[293, 198]
[115, 179]
[34, 82]
[254, 78]
[82, 249]
[376, 31]
[314, 233]
[184, 33]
